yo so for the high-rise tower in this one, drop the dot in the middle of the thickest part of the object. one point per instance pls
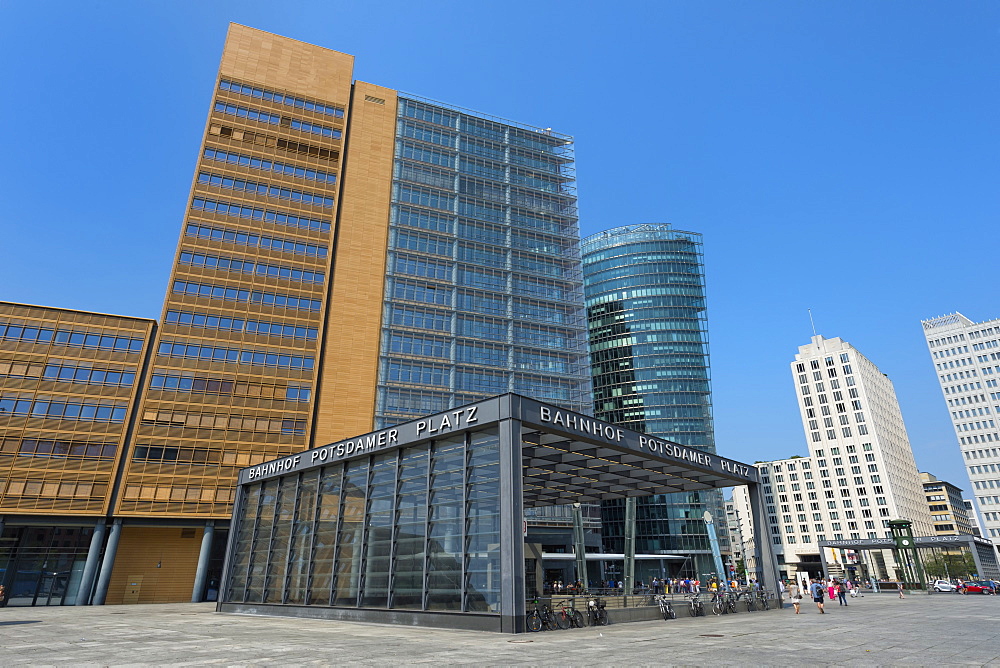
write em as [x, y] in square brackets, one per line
[645, 291]
[966, 357]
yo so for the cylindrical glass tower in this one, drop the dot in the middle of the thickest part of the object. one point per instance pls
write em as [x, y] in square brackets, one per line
[645, 294]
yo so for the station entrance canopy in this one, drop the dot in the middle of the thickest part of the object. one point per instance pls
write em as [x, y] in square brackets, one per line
[422, 520]
[983, 552]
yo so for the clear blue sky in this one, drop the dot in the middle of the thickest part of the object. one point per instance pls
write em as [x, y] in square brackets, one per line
[837, 155]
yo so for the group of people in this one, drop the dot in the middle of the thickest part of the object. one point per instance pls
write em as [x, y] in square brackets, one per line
[819, 590]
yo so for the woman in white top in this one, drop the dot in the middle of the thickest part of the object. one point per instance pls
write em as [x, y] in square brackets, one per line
[795, 594]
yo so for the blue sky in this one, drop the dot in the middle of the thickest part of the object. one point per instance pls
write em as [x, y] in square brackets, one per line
[837, 155]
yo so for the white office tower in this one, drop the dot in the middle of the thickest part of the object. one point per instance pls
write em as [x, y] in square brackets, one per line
[860, 472]
[966, 357]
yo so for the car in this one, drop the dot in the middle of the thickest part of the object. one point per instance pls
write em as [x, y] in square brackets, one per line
[978, 588]
[943, 585]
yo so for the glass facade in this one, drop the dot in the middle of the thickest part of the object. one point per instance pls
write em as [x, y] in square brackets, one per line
[417, 528]
[484, 290]
[645, 297]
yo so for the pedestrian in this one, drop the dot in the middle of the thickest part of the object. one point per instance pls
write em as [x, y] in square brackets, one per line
[831, 588]
[842, 593]
[795, 594]
[899, 588]
[816, 589]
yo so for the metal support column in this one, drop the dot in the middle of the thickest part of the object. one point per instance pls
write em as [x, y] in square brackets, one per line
[579, 546]
[512, 589]
[104, 579]
[767, 565]
[90, 566]
[713, 539]
[628, 567]
[201, 573]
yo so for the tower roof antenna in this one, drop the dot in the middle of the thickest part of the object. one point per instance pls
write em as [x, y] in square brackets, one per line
[813, 324]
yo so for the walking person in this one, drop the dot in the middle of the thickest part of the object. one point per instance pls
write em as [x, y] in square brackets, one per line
[795, 594]
[842, 593]
[816, 589]
[899, 588]
[831, 588]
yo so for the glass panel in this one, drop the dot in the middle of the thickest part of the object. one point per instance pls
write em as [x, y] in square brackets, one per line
[298, 556]
[411, 520]
[444, 545]
[381, 494]
[350, 542]
[482, 574]
[241, 544]
[274, 584]
[326, 535]
[261, 541]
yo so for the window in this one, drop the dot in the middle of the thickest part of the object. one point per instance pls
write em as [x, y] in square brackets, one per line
[280, 98]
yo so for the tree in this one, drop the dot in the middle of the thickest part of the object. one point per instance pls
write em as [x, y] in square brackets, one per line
[941, 566]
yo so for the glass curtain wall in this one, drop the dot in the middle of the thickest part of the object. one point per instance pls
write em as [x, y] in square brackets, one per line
[484, 291]
[416, 528]
[645, 296]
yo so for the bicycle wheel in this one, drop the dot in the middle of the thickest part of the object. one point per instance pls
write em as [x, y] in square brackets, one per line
[750, 605]
[562, 620]
[693, 609]
[533, 622]
[602, 617]
[718, 608]
[577, 619]
[671, 613]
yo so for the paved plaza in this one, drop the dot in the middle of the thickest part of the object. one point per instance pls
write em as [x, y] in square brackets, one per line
[924, 630]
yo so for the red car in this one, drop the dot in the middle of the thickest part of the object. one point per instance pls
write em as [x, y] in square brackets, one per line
[977, 588]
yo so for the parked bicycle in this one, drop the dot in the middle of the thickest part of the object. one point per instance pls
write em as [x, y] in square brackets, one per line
[731, 603]
[539, 618]
[720, 605]
[666, 609]
[696, 607]
[569, 617]
[596, 613]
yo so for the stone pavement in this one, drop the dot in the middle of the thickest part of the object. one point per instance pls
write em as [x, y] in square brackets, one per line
[874, 630]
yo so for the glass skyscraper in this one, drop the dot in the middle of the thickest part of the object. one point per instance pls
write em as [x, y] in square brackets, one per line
[484, 292]
[645, 295]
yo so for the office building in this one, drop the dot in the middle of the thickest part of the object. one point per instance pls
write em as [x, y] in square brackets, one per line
[966, 358]
[645, 297]
[859, 474]
[68, 381]
[350, 257]
[946, 506]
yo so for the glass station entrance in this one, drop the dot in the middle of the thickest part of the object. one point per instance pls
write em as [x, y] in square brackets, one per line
[423, 523]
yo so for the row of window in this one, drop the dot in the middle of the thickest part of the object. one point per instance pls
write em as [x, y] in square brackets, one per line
[65, 337]
[269, 165]
[480, 328]
[42, 447]
[81, 411]
[219, 181]
[253, 240]
[260, 327]
[248, 267]
[68, 373]
[235, 355]
[266, 215]
[275, 119]
[281, 98]
[186, 383]
[231, 422]
[62, 490]
[249, 296]
[261, 139]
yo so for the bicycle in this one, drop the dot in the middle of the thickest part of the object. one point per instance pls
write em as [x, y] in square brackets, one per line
[596, 612]
[750, 602]
[719, 605]
[569, 617]
[696, 607]
[666, 609]
[731, 602]
[533, 620]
